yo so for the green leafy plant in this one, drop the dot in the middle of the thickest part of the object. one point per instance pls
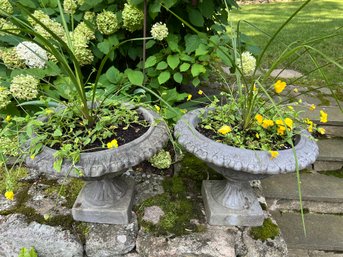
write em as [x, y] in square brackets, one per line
[24, 252]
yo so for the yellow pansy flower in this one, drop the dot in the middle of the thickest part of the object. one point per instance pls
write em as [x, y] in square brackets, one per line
[312, 107]
[157, 108]
[224, 129]
[289, 123]
[200, 92]
[259, 118]
[279, 86]
[189, 97]
[273, 154]
[323, 116]
[257, 135]
[281, 130]
[267, 123]
[321, 131]
[8, 118]
[112, 144]
[9, 195]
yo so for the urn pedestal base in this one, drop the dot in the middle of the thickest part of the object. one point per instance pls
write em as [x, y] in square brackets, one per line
[217, 214]
[105, 201]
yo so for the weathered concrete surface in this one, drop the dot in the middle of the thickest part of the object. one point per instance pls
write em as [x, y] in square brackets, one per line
[16, 233]
[312, 253]
[105, 240]
[327, 165]
[315, 187]
[311, 206]
[324, 232]
[331, 149]
[216, 242]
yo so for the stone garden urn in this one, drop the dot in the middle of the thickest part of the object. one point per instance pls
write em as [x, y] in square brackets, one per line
[232, 201]
[106, 196]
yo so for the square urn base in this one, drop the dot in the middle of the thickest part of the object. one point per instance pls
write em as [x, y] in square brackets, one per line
[217, 214]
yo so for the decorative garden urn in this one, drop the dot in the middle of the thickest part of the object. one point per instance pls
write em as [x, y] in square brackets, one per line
[106, 196]
[232, 201]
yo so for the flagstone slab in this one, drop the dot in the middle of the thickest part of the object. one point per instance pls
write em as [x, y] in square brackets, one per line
[285, 74]
[324, 232]
[314, 187]
[330, 149]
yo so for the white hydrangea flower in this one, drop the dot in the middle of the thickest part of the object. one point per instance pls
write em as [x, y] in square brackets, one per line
[85, 31]
[107, 22]
[247, 63]
[69, 6]
[159, 31]
[80, 47]
[24, 87]
[132, 18]
[6, 6]
[4, 97]
[32, 54]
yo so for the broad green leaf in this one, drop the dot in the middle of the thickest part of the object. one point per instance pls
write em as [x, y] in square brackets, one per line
[162, 65]
[169, 3]
[113, 75]
[163, 77]
[135, 77]
[178, 77]
[57, 133]
[192, 43]
[28, 3]
[104, 46]
[186, 57]
[184, 67]
[196, 82]
[151, 61]
[150, 44]
[154, 9]
[136, 2]
[173, 42]
[195, 17]
[201, 50]
[173, 61]
[197, 69]
[206, 8]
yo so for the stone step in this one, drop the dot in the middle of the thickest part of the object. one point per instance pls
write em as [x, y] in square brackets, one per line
[335, 115]
[324, 232]
[331, 149]
[292, 252]
[314, 187]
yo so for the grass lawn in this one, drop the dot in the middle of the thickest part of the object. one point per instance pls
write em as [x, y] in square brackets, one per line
[318, 18]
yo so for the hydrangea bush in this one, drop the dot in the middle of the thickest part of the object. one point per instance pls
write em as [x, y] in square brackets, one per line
[172, 53]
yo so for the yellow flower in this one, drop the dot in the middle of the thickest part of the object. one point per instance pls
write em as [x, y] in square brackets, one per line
[267, 123]
[312, 107]
[259, 118]
[310, 125]
[189, 97]
[32, 157]
[279, 86]
[157, 108]
[8, 118]
[281, 130]
[257, 135]
[224, 129]
[254, 88]
[200, 92]
[112, 144]
[289, 123]
[49, 111]
[9, 195]
[273, 154]
[323, 116]
[321, 131]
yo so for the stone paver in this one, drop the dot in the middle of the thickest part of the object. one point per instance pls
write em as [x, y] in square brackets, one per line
[315, 187]
[324, 232]
[330, 149]
[335, 115]
[285, 74]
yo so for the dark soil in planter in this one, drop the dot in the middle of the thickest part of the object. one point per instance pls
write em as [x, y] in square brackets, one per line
[214, 136]
[122, 135]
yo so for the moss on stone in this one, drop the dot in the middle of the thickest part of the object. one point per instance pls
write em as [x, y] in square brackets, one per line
[266, 231]
[335, 173]
[178, 206]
